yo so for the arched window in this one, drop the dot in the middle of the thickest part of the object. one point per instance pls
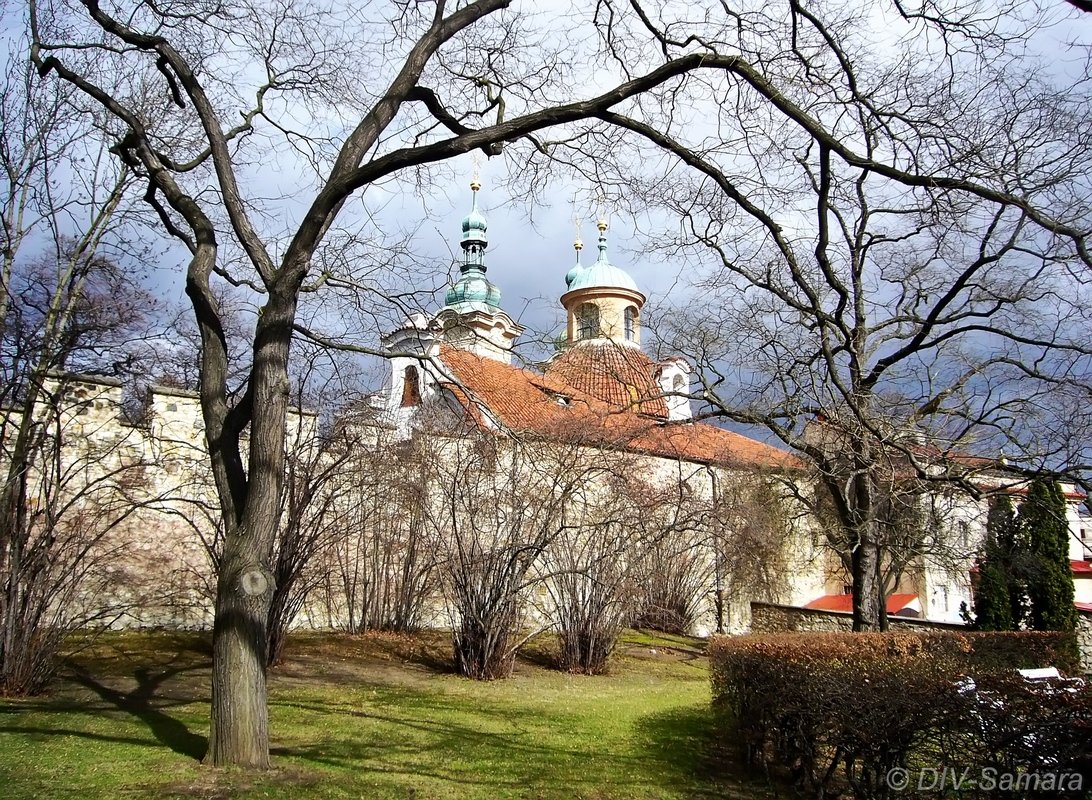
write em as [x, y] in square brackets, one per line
[411, 388]
[679, 384]
[631, 323]
[587, 321]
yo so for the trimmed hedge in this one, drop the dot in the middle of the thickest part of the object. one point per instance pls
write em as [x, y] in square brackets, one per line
[837, 712]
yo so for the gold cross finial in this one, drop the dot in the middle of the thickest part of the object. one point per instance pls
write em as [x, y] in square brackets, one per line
[579, 243]
[476, 174]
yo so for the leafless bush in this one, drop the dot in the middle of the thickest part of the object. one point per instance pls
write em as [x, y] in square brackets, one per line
[309, 500]
[381, 568]
[750, 525]
[591, 581]
[80, 487]
[500, 503]
[676, 560]
[709, 534]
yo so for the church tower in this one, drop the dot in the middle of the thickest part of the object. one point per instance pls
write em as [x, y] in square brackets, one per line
[603, 355]
[472, 318]
[602, 302]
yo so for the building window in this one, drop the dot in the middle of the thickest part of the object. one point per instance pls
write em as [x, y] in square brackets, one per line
[411, 388]
[587, 321]
[631, 323]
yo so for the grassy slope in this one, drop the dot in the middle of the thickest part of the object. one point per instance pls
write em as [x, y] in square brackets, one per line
[373, 716]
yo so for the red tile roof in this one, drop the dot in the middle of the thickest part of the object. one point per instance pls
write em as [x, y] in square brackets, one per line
[619, 375]
[541, 405]
[1073, 496]
[1084, 606]
[1081, 567]
[844, 602]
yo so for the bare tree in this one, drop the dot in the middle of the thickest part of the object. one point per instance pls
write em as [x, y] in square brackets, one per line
[591, 569]
[56, 569]
[64, 307]
[493, 507]
[167, 79]
[69, 480]
[381, 564]
[891, 244]
[313, 464]
[654, 545]
[750, 525]
[676, 568]
[789, 93]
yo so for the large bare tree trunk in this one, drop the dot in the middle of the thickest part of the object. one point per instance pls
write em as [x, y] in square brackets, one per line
[240, 720]
[240, 723]
[868, 596]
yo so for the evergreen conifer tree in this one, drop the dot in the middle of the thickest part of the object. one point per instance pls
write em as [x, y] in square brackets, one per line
[999, 592]
[1050, 582]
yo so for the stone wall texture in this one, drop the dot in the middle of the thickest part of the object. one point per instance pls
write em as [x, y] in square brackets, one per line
[772, 618]
[1084, 640]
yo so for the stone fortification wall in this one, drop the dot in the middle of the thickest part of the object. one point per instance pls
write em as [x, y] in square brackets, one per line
[131, 497]
[1084, 640]
[773, 618]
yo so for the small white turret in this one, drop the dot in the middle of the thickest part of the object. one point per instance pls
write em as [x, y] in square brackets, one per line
[674, 380]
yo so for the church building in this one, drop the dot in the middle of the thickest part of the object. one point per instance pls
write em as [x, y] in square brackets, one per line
[601, 390]
[601, 387]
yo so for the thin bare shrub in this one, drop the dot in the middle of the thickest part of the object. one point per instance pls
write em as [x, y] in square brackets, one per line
[591, 581]
[499, 503]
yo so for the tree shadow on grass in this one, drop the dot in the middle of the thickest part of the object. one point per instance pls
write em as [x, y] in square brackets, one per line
[698, 754]
[142, 702]
[146, 702]
[540, 654]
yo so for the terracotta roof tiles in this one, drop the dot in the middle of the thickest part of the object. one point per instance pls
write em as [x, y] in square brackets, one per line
[621, 376]
[844, 602]
[542, 405]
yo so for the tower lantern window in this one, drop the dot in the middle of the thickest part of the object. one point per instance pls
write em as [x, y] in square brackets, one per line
[631, 323]
[587, 319]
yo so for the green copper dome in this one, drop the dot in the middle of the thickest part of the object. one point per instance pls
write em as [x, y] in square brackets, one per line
[578, 245]
[602, 273]
[472, 291]
[475, 225]
[572, 274]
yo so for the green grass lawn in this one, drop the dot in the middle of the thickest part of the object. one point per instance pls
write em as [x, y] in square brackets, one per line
[375, 716]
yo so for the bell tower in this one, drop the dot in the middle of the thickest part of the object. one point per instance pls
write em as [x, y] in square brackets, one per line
[602, 302]
[472, 318]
